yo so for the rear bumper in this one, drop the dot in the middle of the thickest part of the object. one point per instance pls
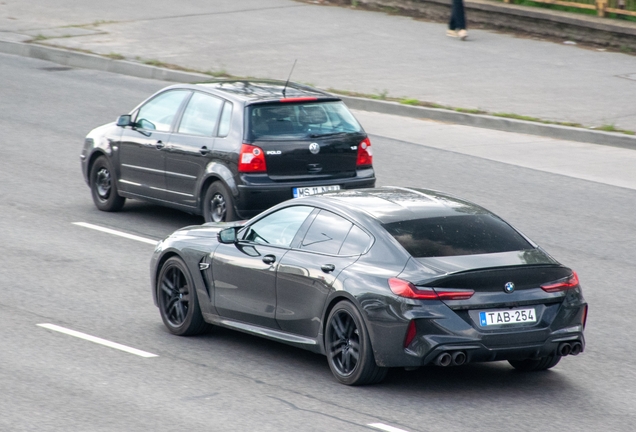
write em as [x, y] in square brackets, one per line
[253, 198]
[440, 330]
[478, 352]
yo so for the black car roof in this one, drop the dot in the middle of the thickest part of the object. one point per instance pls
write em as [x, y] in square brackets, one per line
[259, 91]
[390, 204]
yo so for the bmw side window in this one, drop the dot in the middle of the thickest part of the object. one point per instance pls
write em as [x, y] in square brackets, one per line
[159, 112]
[356, 243]
[326, 234]
[277, 229]
[226, 117]
[201, 115]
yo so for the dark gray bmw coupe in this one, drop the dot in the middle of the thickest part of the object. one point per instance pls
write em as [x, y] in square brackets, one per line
[373, 279]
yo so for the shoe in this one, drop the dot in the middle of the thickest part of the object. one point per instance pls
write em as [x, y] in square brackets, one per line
[451, 33]
[462, 34]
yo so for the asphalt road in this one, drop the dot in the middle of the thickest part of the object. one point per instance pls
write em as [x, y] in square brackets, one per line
[56, 272]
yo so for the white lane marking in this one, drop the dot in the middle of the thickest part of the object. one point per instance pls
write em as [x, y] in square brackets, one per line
[117, 233]
[98, 340]
[386, 428]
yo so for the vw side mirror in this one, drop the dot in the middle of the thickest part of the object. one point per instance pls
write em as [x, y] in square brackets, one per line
[227, 236]
[124, 120]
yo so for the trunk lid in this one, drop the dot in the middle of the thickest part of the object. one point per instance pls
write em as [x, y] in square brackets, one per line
[305, 141]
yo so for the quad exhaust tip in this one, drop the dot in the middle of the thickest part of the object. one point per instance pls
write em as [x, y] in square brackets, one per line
[454, 358]
[575, 348]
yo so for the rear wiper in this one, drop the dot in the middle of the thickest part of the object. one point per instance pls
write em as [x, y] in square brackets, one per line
[325, 134]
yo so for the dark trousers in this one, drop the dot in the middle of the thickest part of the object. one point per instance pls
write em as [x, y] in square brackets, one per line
[457, 18]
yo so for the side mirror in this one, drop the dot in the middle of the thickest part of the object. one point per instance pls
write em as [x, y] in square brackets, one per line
[227, 236]
[124, 120]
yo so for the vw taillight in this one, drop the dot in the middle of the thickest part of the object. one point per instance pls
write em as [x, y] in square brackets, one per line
[251, 159]
[365, 154]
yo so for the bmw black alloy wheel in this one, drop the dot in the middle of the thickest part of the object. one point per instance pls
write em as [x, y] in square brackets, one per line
[177, 299]
[348, 346]
[175, 296]
[344, 343]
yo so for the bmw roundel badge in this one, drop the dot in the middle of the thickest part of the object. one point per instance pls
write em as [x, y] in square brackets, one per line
[509, 287]
[314, 148]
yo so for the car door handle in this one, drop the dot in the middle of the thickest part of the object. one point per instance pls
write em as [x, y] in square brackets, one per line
[269, 259]
[204, 150]
[159, 145]
[328, 268]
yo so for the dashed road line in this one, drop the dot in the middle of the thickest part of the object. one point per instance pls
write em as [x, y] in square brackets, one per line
[117, 233]
[386, 428]
[97, 340]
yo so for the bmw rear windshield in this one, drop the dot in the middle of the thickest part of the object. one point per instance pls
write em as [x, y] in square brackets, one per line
[299, 120]
[456, 235]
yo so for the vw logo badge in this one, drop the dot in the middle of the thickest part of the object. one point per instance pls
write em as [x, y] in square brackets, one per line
[314, 148]
[509, 287]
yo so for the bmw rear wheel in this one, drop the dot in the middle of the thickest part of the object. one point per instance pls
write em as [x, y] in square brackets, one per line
[530, 365]
[177, 298]
[218, 205]
[349, 351]
[103, 186]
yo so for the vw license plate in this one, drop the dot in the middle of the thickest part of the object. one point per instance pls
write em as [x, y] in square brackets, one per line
[513, 316]
[306, 191]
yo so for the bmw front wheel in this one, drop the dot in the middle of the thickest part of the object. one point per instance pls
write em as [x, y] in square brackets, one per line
[177, 299]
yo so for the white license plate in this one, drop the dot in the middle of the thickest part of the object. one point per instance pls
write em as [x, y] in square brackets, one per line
[512, 316]
[306, 191]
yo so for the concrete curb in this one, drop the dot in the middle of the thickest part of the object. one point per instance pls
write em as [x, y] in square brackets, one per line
[493, 122]
[92, 61]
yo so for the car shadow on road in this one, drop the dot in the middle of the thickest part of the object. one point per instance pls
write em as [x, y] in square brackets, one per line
[487, 381]
[162, 216]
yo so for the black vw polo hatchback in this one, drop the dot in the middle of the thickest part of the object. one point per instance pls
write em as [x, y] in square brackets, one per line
[227, 150]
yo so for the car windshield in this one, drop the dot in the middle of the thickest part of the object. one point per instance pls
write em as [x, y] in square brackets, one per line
[301, 120]
[456, 235]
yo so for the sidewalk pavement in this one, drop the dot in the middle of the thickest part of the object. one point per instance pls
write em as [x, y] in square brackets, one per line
[344, 49]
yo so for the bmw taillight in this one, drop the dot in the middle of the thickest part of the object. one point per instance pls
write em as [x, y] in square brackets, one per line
[407, 289]
[365, 154]
[251, 159]
[564, 284]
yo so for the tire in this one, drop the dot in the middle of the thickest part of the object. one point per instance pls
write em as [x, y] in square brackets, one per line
[218, 205]
[348, 347]
[531, 365]
[178, 301]
[104, 186]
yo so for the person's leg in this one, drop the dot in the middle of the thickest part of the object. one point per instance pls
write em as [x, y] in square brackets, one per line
[458, 14]
[452, 23]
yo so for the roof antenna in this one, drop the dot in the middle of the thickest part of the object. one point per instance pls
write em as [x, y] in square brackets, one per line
[290, 72]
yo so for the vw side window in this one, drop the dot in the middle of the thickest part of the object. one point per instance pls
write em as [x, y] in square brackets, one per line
[201, 115]
[226, 117]
[159, 112]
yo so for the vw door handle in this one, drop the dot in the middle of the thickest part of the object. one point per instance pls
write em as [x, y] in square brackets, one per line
[269, 259]
[159, 145]
[204, 150]
[328, 268]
